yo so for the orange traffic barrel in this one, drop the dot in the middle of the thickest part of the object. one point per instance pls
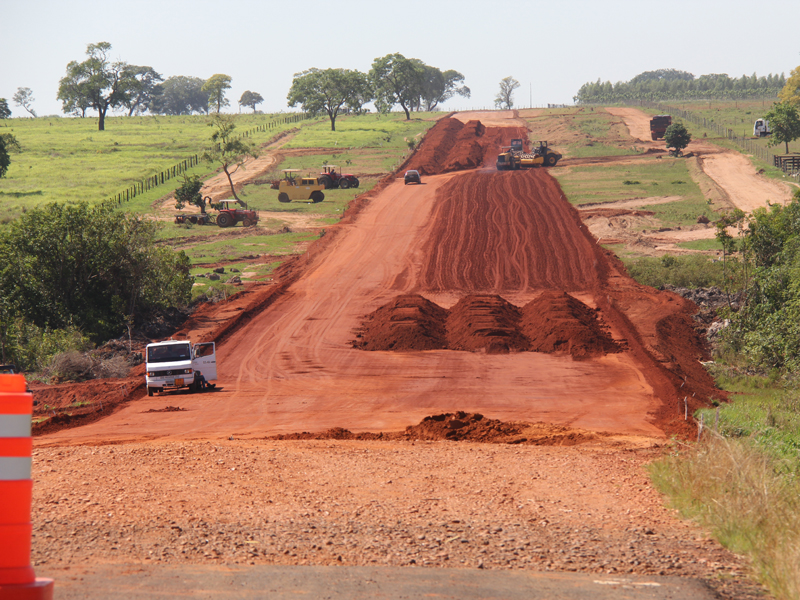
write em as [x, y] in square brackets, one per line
[17, 579]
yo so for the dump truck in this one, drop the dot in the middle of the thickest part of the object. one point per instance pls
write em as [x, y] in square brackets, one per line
[294, 187]
[513, 157]
[658, 126]
[177, 364]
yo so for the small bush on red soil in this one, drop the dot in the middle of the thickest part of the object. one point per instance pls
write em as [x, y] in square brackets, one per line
[70, 366]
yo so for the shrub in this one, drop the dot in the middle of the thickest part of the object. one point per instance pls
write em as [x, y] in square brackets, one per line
[689, 271]
[71, 366]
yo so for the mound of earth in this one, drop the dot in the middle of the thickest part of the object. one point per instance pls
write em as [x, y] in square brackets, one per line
[432, 153]
[409, 322]
[485, 322]
[461, 426]
[469, 150]
[451, 145]
[556, 322]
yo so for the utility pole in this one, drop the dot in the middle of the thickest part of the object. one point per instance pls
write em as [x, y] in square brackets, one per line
[530, 92]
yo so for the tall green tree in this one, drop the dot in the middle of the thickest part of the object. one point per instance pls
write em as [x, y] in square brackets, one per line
[396, 79]
[179, 95]
[439, 86]
[88, 266]
[505, 97]
[143, 86]
[96, 83]
[226, 150]
[24, 98]
[251, 99]
[784, 121]
[216, 86]
[8, 144]
[5, 112]
[328, 91]
[662, 75]
[189, 193]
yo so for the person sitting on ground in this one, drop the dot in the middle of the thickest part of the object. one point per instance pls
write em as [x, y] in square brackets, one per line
[203, 383]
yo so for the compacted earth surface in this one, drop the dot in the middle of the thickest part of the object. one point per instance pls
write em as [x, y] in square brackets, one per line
[455, 375]
[587, 508]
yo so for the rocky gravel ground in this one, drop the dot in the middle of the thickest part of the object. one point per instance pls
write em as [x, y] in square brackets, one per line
[445, 504]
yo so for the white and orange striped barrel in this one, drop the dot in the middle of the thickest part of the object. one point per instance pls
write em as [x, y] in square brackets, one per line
[17, 577]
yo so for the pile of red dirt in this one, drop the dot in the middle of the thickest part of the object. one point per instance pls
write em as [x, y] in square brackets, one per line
[433, 151]
[485, 322]
[555, 322]
[469, 149]
[409, 322]
[451, 145]
[463, 427]
[165, 409]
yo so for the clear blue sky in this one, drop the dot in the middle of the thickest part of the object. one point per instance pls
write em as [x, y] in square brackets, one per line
[552, 48]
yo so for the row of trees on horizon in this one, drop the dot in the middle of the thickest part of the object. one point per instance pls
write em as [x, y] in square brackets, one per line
[99, 84]
[672, 84]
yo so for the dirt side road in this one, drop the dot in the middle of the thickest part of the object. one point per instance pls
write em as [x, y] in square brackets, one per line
[744, 187]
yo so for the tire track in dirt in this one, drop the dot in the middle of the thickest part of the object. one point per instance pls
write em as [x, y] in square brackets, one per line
[502, 232]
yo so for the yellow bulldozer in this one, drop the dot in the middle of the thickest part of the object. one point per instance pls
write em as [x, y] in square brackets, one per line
[514, 157]
[295, 187]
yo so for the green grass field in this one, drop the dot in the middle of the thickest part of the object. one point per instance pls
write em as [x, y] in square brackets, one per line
[66, 159]
[649, 178]
[594, 133]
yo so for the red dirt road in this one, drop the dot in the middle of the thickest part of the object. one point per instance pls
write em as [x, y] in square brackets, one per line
[293, 368]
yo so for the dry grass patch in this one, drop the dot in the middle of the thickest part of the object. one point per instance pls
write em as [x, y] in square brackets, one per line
[740, 494]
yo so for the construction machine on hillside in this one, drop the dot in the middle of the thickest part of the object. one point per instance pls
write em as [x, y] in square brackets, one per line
[514, 157]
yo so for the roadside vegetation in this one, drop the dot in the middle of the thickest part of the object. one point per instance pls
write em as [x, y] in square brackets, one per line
[742, 480]
[76, 273]
[686, 271]
[603, 135]
[645, 179]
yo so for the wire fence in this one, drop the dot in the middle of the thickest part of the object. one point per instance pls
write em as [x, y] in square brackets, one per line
[789, 164]
[149, 183]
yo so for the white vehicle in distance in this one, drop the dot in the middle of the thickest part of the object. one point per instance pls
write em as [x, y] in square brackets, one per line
[176, 364]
